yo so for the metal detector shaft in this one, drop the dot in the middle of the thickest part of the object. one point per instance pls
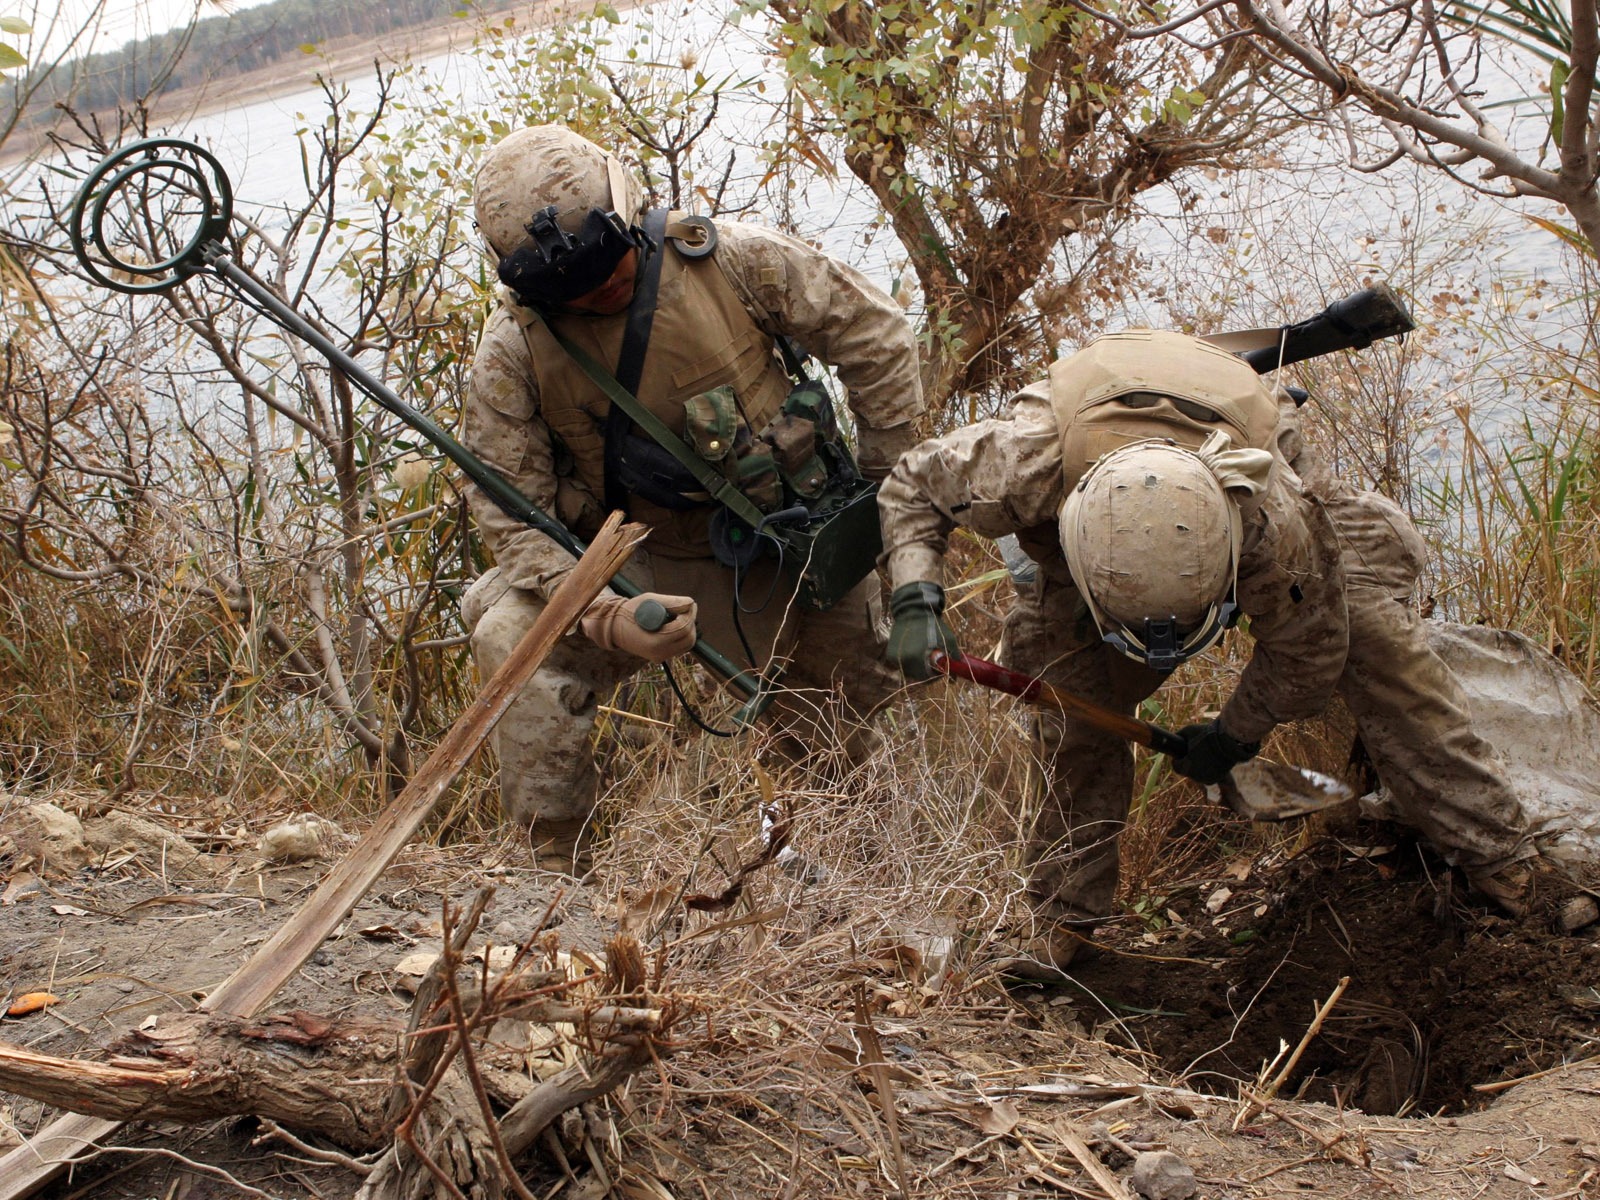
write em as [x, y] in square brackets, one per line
[1015, 683]
[511, 501]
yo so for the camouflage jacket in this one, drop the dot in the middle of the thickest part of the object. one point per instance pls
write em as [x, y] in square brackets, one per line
[788, 288]
[1005, 476]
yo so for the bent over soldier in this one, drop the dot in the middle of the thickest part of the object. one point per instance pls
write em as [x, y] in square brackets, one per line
[1146, 478]
[686, 317]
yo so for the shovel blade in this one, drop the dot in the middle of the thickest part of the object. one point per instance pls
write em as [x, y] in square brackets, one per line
[1269, 791]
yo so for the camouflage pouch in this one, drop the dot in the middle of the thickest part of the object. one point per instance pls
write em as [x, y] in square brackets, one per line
[711, 423]
[716, 429]
[794, 447]
[755, 473]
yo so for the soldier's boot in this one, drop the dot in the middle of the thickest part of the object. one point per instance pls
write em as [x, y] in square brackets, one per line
[562, 846]
[1042, 951]
[1533, 883]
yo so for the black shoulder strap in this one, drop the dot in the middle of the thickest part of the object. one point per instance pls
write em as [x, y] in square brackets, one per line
[793, 358]
[635, 341]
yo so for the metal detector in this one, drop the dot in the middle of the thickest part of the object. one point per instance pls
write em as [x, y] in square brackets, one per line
[169, 199]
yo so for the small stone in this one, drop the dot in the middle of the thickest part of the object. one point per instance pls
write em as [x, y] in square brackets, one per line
[1577, 913]
[1162, 1175]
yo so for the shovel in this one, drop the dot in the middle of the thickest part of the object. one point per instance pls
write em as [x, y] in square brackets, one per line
[1258, 789]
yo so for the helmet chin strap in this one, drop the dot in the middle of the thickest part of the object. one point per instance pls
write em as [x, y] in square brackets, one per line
[617, 182]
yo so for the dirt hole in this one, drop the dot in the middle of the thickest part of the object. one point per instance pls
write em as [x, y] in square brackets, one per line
[1444, 997]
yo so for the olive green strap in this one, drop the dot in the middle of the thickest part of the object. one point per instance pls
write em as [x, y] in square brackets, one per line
[721, 488]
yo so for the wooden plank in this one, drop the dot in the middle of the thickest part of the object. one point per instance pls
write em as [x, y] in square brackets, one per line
[53, 1148]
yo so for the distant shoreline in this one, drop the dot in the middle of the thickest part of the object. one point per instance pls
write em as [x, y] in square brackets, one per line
[337, 59]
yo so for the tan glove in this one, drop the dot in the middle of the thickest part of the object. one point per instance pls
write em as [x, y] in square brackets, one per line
[613, 623]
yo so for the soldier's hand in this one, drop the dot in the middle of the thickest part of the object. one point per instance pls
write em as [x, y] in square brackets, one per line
[650, 626]
[919, 629]
[1211, 753]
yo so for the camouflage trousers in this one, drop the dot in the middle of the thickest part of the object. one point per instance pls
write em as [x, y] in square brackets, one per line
[834, 676]
[1445, 780]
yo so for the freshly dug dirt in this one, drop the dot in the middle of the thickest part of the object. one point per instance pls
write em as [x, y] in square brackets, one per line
[1445, 996]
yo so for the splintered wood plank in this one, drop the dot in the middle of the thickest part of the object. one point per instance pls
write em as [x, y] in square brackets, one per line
[52, 1149]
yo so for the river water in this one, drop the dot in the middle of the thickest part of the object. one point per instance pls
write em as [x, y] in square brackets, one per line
[1257, 249]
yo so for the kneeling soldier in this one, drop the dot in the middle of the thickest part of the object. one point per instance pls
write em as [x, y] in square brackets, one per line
[688, 326]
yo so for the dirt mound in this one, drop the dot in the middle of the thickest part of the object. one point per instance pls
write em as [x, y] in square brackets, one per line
[1444, 997]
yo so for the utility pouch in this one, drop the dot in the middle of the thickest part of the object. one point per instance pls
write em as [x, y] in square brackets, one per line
[794, 447]
[710, 423]
[797, 436]
[755, 473]
[810, 401]
[716, 430]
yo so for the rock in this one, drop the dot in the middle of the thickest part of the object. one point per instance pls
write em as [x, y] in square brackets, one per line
[1577, 913]
[51, 836]
[307, 836]
[158, 847]
[1162, 1175]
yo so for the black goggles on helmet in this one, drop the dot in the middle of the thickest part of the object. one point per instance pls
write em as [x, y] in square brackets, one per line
[556, 264]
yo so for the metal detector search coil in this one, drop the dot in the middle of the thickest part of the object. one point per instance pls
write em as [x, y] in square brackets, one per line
[131, 214]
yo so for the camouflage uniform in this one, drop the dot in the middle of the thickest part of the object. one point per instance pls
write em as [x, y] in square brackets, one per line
[1006, 476]
[1413, 717]
[1324, 570]
[715, 324]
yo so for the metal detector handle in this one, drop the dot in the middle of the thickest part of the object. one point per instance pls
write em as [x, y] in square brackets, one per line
[1026, 687]
[512, 502]
[1353, 323]
[651, 616]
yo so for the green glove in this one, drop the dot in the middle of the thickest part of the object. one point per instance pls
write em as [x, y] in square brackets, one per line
[919, 629]
[1211, 753]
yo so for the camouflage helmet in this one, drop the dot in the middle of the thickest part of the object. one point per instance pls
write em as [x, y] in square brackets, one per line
[1152, 536]
[546, 165]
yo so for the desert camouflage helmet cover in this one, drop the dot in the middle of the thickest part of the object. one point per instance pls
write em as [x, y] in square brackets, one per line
[545, 165]
[1152, 535]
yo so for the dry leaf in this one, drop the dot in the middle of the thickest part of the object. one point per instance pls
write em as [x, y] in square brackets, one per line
[999, 1118]
[416, 964]
[1512, 1171]
[20, 886]
[31, 1002]
[640, 914]
[69, 910]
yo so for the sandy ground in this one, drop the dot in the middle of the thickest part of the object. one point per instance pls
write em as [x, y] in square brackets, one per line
[1487, 1024]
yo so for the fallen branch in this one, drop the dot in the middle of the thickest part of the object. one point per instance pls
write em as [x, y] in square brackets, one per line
[298, 1070]
[1255, 1106]
[42, 1157]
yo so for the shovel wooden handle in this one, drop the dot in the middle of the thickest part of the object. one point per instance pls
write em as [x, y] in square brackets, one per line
[1015, 683]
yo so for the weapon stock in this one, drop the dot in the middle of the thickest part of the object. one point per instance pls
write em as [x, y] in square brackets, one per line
[1353, 323]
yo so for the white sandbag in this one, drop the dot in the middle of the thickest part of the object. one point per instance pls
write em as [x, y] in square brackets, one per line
[1541, 719]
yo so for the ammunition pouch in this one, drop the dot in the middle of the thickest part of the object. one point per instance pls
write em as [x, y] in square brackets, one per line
[828, 530]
